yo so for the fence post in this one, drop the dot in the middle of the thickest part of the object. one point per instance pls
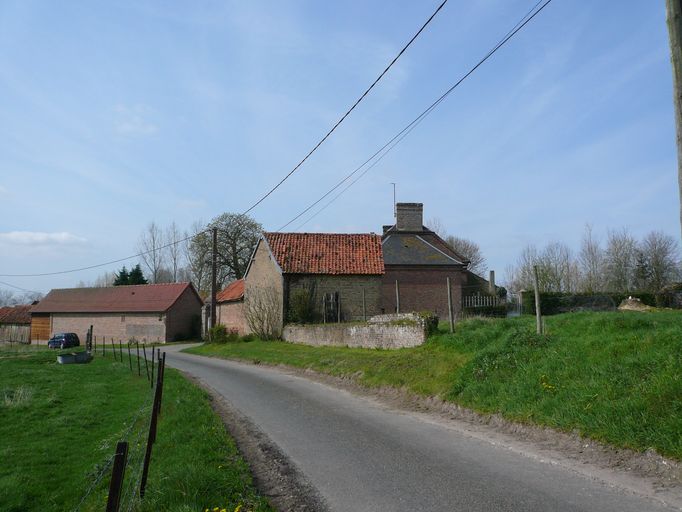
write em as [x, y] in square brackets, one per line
[137, 349]
[151, 437]
[120, 349]
[364, 307]
[117, 474]
[397, 297]
[146, 366]
[162, 376]
[536, 287]
[152, 379]
[130, 358]
[113, 348]
[452, 324]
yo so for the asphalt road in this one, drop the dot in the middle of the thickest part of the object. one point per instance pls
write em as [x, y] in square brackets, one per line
[362, 456]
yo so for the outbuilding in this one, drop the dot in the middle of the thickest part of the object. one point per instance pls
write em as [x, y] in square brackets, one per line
[230, 307]
[148, 313]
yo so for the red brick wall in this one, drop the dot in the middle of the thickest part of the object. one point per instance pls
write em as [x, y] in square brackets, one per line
[181, 315]
[422, 289]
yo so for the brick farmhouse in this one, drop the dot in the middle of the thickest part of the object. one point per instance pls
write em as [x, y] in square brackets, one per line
[148, 313]
[347, 267]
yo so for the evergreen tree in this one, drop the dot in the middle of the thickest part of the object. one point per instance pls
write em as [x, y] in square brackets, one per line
[136, 276]
[642, 272]
[122, 277]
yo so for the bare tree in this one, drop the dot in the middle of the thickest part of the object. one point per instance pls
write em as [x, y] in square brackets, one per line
[149, 245]
[591, 260]
[436, 225]
[557, 269]
[468, 250]
[198, 254]
[661, 254]
[7, 298]
[263, 312]
[174, 251]
[620, 261]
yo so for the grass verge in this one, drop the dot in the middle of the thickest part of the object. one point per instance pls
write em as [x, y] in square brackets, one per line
[59, 425]
[615, 377]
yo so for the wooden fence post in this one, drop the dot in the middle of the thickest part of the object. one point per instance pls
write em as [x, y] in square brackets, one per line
[538, 314]
[364, 307]
[397, 297]
[452, 324]
[130, 358]
[113, 349]
[117, 474]
[120, 349]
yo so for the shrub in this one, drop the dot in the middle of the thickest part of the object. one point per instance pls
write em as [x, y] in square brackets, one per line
[301, 308]
[220, 334]
[430, 321]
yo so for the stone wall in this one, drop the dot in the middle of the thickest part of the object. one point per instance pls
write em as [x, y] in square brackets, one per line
[377, 334]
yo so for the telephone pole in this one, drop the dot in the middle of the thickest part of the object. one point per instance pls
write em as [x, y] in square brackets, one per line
[674, 18]
[214, 269]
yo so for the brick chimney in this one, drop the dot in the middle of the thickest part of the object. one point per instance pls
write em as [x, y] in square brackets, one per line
[409, 216]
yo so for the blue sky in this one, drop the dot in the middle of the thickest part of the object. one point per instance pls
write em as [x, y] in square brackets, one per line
[114, 114]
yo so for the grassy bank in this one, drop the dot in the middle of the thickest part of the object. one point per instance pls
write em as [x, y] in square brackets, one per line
[616, 377]
[59, 426]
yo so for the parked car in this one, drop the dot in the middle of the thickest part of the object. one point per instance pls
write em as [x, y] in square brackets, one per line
[64, 340]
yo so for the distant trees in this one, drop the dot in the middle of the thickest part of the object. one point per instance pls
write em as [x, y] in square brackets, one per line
[10, 298]
[135, 276]
[466, 248]
[624, 265]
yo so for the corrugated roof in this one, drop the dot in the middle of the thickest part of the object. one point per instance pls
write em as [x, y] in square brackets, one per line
[327, 253]
[144, 298]
[233, 292]
[16, 314]
[423, 248]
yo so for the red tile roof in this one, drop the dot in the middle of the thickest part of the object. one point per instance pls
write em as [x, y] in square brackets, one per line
[323, 253]
[16, 314]
[144, 298]
[233, 292]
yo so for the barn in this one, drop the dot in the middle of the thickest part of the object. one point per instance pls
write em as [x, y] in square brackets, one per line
[148, 313]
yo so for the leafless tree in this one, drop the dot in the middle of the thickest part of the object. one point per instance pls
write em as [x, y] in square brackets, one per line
[7, 298]
[469, 250]
[620, 261]
[150, 246]
[661, 254]
[263, 312]
[174, 251]
[591, 260]
[436, 225]
[557, 269]
[198, 255]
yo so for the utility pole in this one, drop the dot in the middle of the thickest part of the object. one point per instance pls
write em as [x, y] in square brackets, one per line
[674, 19]
[214, 270]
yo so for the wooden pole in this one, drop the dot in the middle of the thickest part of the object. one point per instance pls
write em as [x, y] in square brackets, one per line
[214, 270]
[674, 20]
[452, 323]
[397, 297]
[113, 349]
[536, 287]
[130, 358]
[120, 349]
[364, 307]
[117, 475]
[338, 308]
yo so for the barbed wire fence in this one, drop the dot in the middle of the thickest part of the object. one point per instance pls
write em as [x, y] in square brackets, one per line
[127, 469]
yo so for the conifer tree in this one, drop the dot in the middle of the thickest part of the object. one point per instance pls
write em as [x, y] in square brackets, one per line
[136, 276]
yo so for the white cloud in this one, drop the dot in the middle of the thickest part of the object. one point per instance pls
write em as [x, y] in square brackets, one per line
[36, 238]
[134, 120]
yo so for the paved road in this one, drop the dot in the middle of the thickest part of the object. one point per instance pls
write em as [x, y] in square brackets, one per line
[361, 456]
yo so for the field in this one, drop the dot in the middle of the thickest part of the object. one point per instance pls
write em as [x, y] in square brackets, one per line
[615, 377]
[59, 425]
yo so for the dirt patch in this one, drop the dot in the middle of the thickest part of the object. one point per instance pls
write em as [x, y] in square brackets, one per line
[275, 476]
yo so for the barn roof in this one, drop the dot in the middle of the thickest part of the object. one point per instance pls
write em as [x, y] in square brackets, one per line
[327, 253]
[233, 292]
[144, 298]
[16, 314]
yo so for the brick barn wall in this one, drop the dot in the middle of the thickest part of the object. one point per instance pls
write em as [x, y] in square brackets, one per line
[149, 327]
[422, 290]
[350, 289]
[264, 275]
[231, 315]
[181, 315]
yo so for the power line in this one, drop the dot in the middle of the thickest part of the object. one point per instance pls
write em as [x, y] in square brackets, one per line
[343, 117]
[19, 288]
[267, 194]
[396, 139]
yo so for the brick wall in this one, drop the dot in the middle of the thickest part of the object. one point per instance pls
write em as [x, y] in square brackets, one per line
[182, 315]
[410, 216]
[264, 277]
[231, 315]
[422, 289]
[363, 336]
[350, 289]
[149, 327]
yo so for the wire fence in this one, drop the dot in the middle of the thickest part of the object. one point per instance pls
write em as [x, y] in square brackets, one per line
[128, 468]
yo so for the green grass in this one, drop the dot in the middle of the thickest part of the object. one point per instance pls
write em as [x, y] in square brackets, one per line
[59, 424]
[615, 377]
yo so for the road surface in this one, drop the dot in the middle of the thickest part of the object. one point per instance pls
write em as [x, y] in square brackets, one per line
[362, 456]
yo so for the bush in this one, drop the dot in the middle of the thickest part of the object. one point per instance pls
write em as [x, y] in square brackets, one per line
[247, 338]
[430, 321]
[220, 334]
[301, 308]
